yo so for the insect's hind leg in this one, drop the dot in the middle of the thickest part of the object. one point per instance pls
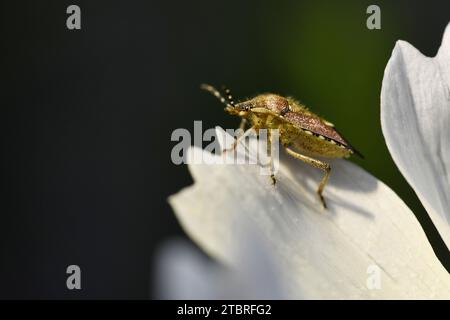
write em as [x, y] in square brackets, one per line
[318, 164]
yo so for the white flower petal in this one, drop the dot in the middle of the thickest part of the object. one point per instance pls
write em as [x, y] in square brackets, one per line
[183, 273]
[323, 254]
[415, 118]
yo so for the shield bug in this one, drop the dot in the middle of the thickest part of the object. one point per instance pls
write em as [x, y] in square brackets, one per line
[303, 134]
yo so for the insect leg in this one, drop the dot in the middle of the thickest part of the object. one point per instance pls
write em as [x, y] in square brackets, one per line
[269, 152]
[236, 142]
[243, 124]
[318, 164]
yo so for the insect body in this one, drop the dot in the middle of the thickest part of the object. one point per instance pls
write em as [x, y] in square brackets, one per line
[299, 128]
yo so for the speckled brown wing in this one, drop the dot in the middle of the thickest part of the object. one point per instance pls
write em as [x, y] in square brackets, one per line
[314, 124]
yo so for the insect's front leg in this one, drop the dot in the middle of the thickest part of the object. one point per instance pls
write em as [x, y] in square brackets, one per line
[243, 124]
[236, 142]
[318, 164]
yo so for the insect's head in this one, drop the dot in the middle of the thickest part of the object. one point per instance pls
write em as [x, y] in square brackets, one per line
[240, 109]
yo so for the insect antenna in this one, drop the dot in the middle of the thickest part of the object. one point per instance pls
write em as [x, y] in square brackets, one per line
[227, 101]
[228, 96]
